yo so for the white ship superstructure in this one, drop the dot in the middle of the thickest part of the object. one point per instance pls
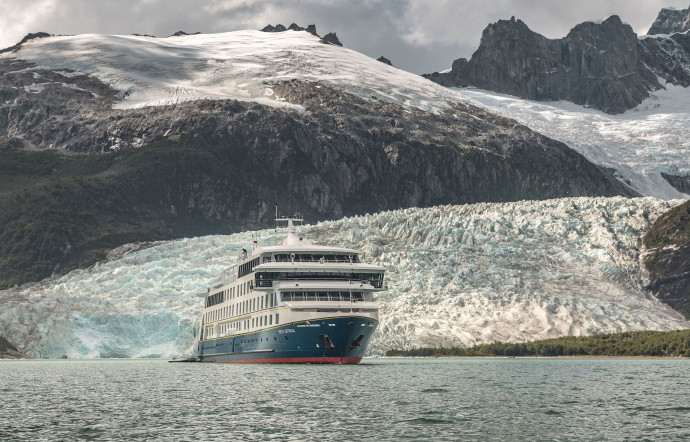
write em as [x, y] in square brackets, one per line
[295, 302]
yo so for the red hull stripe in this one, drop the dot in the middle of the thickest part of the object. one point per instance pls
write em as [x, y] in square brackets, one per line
[311, 360]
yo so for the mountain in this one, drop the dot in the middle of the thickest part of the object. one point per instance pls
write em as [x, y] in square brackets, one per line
[671, 21]
[599, 64]
[108, 139]
[667, 258]
[457, 275]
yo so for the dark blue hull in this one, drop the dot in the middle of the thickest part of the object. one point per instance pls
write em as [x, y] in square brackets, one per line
[340, 340]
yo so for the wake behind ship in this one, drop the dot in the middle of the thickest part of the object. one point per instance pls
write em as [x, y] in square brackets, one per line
[292, 303]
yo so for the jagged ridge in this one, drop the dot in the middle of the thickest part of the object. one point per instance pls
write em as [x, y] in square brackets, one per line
[602, 65]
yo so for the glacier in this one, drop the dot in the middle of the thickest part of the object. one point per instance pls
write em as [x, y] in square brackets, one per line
[638, 145]
[456, 275]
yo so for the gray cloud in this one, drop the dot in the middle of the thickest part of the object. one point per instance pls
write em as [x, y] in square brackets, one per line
[417, 35]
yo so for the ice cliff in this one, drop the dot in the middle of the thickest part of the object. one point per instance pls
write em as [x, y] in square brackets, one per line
[457, 275]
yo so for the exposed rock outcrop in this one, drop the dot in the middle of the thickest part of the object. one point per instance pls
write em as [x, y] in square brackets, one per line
[26, 38]
[293, 27]
[670, 21]
[667, 258]
[331, 38]
[276, 28]
[9, 351]
[680, 182]
[603, 65]
[182, 33]
[383, 59]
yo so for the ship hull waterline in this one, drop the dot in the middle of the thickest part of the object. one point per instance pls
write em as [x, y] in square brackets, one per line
[334, 340]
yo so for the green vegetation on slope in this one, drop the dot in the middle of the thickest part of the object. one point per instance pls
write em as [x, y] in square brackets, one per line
[668, 258]
[638, 343]
[61, 212]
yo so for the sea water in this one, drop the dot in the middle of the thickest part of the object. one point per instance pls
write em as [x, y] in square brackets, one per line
[379, 399]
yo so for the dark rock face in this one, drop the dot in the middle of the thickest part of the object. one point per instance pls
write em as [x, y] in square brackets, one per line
[9, 351]
[667, 57]
[680, 183]
[331, 38]
[224, 163]
[667, 258]
[182, 33]
[293, 27]
[383, 59]
[671, 21]
[600, 65]
[24, 40]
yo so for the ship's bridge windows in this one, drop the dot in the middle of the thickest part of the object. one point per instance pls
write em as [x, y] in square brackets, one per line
[316, 257]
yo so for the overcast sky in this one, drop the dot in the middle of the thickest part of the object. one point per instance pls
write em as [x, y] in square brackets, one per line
[417, 35]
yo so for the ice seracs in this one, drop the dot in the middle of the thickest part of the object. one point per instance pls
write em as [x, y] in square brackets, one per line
[457, 275]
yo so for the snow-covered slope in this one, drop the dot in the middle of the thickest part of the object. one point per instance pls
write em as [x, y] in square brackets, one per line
[238, 65]
[639, 144]
[457, 275]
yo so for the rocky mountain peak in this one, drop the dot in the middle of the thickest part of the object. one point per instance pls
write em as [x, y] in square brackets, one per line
[671, 21]
[383, 59]
[331, 38]
[599, 64]
[293, 27]
[26, 38]
[183, 33]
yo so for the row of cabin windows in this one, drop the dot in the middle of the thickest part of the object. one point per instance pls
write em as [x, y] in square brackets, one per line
[327, 296]
[248, 306]
[265, 279]
[213, 331]
[247, 267]
[227, 295]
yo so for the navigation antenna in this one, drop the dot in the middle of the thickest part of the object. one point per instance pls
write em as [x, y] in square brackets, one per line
[291, 221]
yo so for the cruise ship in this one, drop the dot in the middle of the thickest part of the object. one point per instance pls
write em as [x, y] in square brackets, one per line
[295, 302]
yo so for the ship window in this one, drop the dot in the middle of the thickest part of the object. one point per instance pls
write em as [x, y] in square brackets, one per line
[262, 303]
[277, 318]
[270, 319]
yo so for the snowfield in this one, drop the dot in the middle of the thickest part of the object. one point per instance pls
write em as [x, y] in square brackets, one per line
[638, 144]
[240, 65]
[457, 275]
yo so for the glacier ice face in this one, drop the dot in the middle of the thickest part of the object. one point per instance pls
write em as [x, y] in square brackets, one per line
[457, 275]
[639, 144]
[233, 65]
